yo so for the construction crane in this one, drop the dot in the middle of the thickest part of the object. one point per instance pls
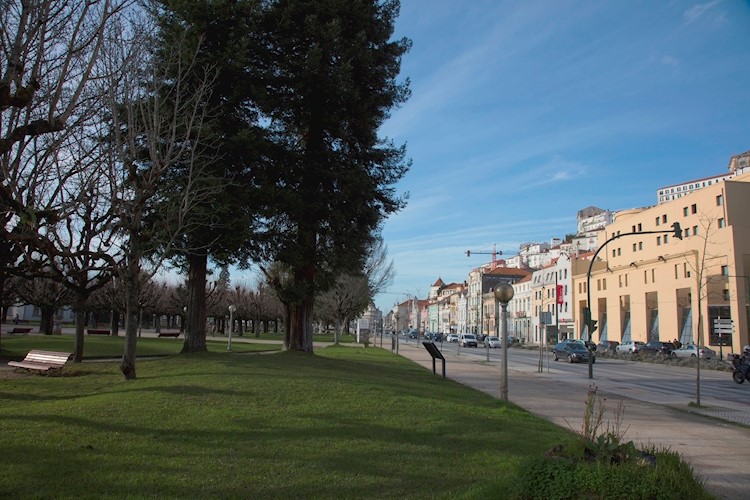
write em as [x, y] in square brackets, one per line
[494, 253]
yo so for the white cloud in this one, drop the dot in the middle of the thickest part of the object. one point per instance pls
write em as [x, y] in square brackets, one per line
[702, 11]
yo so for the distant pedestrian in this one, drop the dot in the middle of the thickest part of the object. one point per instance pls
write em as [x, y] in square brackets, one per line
[677, 343]
[16, 320]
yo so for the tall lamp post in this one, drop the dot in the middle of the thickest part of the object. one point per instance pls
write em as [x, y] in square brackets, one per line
[503, 295]
[232, 308]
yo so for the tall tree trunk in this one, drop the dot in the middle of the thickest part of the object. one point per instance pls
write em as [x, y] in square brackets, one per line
[48, 317]
[80, 325]
[115, 323]
[132, 292]
[195, 333]
[299, 326]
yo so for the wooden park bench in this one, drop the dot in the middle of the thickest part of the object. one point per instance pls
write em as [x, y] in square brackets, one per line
[42, 361]
[95, 331]
[169, 334]
[17, 329]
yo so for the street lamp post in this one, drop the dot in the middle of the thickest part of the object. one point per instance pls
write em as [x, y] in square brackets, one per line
[232, 308]
[588, 319]
[503, 295]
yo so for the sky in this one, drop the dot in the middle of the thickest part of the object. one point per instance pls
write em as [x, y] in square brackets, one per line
[524, 112]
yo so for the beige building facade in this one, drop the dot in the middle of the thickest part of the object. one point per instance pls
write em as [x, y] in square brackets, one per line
[646, 284]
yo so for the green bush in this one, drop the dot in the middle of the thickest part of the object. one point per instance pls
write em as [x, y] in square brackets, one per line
[561, 478]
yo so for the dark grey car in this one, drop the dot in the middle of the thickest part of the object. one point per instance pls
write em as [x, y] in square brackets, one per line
[574, 352]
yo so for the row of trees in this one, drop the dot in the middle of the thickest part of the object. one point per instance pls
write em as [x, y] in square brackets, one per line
[255, 306]
[226, 132]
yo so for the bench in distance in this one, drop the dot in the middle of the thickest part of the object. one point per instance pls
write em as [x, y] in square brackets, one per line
[17, 329]
[96, 331]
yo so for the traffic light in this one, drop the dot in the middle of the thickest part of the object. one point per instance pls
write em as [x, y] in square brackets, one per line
[592, 327]
[677, 230]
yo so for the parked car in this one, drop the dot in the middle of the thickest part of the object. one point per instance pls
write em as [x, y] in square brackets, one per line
[607, 346]
[413, 334]
[658, 348]
[492, 342]
[430, 337]
[630, 347]
[692, 351]
[468, 340]
[452, 337]
[573, 351]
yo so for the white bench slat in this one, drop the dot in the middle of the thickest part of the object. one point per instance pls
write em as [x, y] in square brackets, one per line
[42, 360]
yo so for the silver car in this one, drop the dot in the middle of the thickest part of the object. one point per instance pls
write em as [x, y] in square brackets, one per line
[630, 347]
[492, 342]
[692, 351]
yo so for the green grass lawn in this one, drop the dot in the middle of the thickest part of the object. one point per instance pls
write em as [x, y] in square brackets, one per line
[346, 422]
[112, 347]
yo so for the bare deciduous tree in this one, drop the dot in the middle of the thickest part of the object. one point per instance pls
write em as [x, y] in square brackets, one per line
[48, 55]
[156, 116]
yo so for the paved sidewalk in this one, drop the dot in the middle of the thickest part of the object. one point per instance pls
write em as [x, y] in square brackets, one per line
[718, 451]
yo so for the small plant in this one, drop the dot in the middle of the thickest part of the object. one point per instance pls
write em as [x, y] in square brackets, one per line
[597, 443]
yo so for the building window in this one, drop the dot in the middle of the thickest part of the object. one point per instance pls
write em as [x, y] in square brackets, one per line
[658, 240]
[722, 223]
[619, 252]
[658, 220]
[694, 208]
[664, 219]
[686, 232]
[635, 247]
[725, 270]
[653, 276]
[726, 294]
[633, 229]
[620, 280]
[640, 245]
[640, 227]
[676, 271]
[720, 200]
[614, 252]
[685, 211]
[645, 276]
[695, 230]
[604, 284]
[685, 270]
[666, 238]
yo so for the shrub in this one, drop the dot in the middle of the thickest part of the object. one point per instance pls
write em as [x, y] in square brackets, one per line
[600, 464]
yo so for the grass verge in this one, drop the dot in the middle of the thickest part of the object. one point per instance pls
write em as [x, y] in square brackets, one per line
[343, 423]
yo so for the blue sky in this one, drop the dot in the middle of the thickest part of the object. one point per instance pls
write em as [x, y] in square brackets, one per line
[524, 112]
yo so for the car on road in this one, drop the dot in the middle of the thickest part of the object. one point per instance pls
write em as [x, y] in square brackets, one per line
[574, 352]
[452, 337]
[630, 347]
[607, 346]
[468, 340]
[692, 351]
[492, 342]
[658, 348]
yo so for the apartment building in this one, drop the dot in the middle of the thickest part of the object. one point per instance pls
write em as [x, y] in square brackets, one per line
[520, 310]
[646, 284]
[738, 165]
